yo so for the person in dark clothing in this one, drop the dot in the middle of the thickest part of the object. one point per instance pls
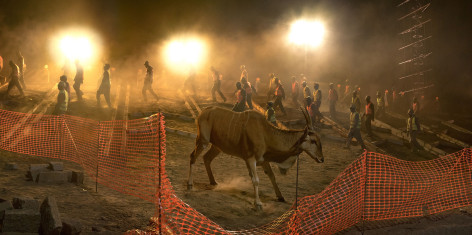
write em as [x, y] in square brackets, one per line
[270, 113]
[317, 101]
[295, 91]
[306, 92]
[63, 79]
[332, 98]
[78, 80]
[248, 88]
[356, 101]
[354, 128]
[240, 105]
[14, 79]
[279, 96]
[148, 82]
[105, 86]
[369, 115]
[21, 66]
[412, 128]
[216, 85]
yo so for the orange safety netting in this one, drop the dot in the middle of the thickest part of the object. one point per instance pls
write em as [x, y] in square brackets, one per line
[129, 156]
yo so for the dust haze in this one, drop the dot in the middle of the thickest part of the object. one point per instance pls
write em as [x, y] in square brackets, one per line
[361, 43]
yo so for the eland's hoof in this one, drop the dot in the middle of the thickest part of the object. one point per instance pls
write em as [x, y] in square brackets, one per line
[189, 186]
[281, 199]
[258, 207]
[214, 183]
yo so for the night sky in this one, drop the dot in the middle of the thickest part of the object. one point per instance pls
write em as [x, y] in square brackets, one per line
[362, 44]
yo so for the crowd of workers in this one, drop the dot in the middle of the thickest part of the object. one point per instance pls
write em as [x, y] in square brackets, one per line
[312, 101]
[244, 96]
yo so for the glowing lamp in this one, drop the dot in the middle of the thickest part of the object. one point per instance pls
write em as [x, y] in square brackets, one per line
[306, 33]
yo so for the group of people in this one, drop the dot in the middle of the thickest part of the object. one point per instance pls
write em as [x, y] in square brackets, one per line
[312, 103]
[63, 97]
[16, 77]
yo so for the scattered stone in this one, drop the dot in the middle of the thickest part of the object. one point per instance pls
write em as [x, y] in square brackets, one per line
[396, 142]
[71, 227]
[21, 221]
[5, 205]
[77, 177]
[35, 169]
[25, 203]
[69, 175]
[50, 218]
[380, 143]
[97, 229]
[52, 177]
[56, 166]
[11, 166]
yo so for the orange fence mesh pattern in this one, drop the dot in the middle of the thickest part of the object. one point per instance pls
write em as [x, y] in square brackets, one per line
[129, 156]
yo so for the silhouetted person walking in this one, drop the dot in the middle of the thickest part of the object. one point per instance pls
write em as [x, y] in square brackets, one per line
[14, 78]
[78, 80]
[216, 84]
[148, 82]
[105, 86]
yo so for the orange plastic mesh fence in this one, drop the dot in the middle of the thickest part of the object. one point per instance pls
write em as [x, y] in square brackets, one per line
[374, 187]
[124, 155]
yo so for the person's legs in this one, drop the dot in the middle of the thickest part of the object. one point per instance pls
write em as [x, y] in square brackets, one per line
[249, 100]
[357, 135]
[107, 96]
[368, 124]
[144, 93]
[349, 137]
[17, 84]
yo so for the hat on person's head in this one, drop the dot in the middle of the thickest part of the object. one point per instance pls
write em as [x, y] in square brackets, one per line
[270, 104]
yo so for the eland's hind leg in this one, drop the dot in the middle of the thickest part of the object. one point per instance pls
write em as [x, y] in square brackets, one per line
[207, 158]
[270, 173]
[193, 157]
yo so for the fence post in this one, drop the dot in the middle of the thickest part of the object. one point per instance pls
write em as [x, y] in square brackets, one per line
[98, 155]
[160, 171]
[364, 189]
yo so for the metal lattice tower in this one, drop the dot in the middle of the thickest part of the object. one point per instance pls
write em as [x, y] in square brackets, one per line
[415, 47]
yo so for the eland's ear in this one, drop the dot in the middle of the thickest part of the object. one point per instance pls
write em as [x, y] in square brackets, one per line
[307, 118]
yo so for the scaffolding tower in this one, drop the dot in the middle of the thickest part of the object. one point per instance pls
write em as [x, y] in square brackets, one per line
[415, 47]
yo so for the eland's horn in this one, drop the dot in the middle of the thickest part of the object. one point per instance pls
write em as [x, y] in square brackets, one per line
[307, 118]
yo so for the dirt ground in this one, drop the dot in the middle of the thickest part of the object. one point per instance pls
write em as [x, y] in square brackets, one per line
[229, 204]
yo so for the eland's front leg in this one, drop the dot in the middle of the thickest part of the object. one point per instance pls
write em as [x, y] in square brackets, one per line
[251, 162]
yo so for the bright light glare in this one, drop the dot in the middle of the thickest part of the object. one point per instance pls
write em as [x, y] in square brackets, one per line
[307, 33]
[75, 44]
[76, 48]
[185, 53]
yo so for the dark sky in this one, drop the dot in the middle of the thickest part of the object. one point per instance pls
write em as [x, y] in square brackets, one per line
[362, 45]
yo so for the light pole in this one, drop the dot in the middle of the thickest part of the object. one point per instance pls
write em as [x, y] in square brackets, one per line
[307, 34]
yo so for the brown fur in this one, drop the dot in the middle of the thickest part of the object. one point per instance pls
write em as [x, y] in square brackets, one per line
[248, 135]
